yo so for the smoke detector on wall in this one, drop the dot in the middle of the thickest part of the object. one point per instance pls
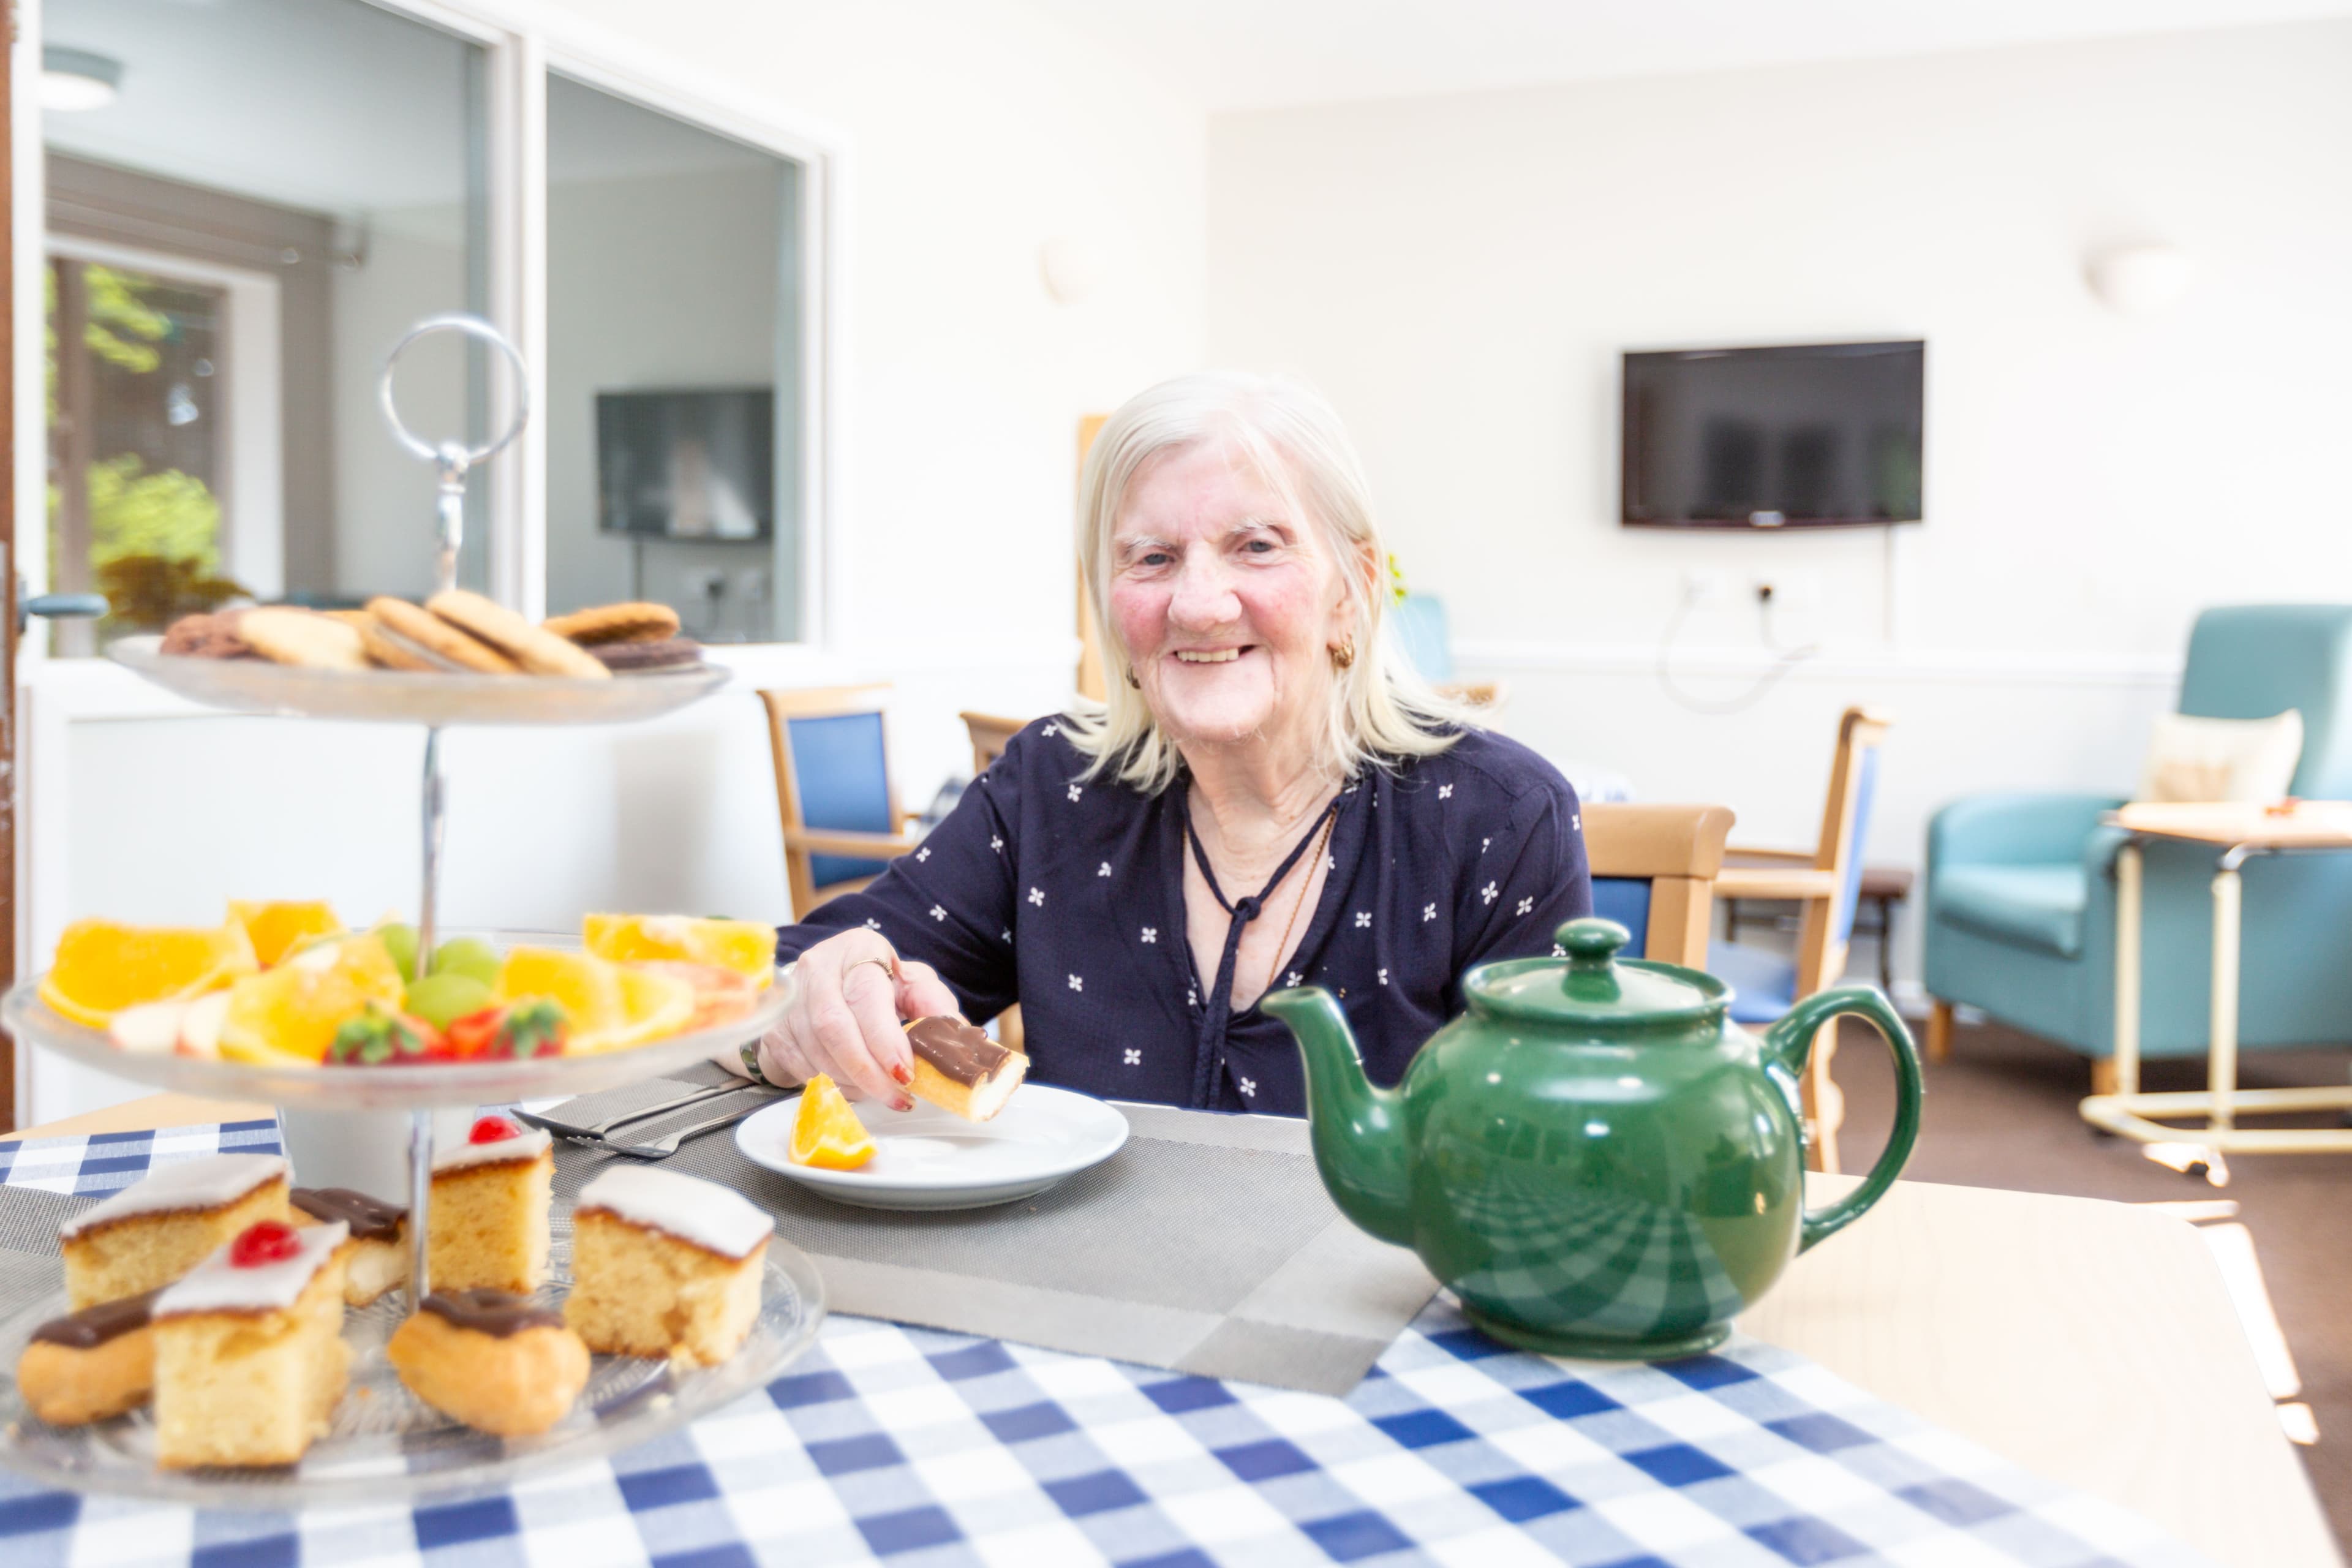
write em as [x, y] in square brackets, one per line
[2141, 279]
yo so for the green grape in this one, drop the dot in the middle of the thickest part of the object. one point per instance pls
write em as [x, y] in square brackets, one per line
[401, 943]
[440, 999]
[468, 956]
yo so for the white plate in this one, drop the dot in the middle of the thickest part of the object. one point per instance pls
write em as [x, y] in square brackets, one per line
[928, 1158]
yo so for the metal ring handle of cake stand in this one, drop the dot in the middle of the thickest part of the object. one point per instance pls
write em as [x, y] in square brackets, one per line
[452, 459]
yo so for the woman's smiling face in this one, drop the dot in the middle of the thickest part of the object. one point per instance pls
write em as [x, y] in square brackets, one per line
[1225, 599]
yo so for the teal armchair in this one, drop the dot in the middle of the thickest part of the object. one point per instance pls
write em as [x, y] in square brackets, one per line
[2020, 888]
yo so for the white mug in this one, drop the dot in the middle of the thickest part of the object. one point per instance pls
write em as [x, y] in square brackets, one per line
[366, 1150]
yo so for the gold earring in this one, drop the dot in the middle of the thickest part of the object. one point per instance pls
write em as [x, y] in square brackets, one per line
[1344, 655]
[1135, 680]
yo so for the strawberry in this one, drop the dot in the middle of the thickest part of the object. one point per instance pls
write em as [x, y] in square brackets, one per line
[263, 1242]
[516, 1031]
[381, 1037]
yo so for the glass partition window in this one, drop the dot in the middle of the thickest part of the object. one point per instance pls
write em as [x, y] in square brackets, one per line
[275, 191]
[670, 455]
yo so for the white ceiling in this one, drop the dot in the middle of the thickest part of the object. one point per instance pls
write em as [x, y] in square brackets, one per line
[1250, 54]
[329, 105]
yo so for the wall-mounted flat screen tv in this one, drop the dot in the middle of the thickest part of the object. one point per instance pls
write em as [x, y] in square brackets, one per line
[1809, 434]
[687, 465]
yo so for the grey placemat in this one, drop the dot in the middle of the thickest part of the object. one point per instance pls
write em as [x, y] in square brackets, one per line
[1207, 1244]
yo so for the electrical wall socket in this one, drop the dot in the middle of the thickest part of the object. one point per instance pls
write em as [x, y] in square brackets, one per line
[1706, 588]
[1793, 590]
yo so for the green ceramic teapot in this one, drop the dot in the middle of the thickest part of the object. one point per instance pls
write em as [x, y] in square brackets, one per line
[1594, 1158]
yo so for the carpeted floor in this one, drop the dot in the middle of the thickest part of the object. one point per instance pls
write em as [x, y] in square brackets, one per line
[2001, 1113]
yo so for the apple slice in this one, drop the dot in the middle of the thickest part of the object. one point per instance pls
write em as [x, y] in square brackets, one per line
[200, 1025]
[151, 1029]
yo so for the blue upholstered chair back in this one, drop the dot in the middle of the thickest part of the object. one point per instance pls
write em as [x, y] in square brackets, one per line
[1866, 788]
[844, 777]
[1418, 624]
[1627, 901]
[2251, 661]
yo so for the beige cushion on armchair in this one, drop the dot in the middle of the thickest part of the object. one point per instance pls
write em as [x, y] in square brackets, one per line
[2246, 760]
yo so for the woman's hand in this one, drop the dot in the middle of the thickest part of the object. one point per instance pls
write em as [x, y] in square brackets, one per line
[850, 992]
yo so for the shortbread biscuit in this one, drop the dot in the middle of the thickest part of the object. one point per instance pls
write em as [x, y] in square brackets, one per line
[302, 637]
[663, 653]
[615, 623]
[393, 652]
[537, 650]
[439, 639]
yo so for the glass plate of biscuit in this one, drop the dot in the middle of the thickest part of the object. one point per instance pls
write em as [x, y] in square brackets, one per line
[378, 1440]
[456, 659]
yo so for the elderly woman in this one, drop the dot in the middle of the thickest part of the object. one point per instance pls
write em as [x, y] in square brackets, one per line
[1270, 798]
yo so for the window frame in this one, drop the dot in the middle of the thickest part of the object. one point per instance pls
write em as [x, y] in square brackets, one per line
[250, 442]
[523, 41]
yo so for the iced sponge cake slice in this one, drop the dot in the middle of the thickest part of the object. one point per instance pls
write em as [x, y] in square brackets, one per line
[161, 1225]
[665, 1265]
[487, 1228]
[249, 1353]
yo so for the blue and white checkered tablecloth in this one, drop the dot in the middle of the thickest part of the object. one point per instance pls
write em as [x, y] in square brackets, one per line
[921, 1448]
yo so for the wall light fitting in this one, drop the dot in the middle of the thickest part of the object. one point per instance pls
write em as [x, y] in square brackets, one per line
[73, 81]
[2141, 279]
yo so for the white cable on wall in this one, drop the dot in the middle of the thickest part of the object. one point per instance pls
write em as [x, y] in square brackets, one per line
[1722, 707]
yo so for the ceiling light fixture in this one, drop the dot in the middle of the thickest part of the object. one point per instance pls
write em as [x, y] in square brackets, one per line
[73, 81]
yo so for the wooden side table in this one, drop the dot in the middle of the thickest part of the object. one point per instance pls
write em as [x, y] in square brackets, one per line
[2241, 833]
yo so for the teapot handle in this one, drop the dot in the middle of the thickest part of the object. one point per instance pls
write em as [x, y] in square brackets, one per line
[1791, 1040]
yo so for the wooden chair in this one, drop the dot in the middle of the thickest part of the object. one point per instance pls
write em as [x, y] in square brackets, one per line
[1825, 881]
[1654, 869]
[990, 733]
[841, 817]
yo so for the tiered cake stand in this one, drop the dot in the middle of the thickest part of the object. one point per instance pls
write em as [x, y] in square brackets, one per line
[386, 1444]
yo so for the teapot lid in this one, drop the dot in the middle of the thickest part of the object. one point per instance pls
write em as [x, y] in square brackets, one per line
[1593, 987]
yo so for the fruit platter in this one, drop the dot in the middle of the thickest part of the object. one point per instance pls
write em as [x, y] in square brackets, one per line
[282, 1003]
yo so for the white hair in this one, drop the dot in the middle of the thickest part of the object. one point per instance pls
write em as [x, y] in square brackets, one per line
[1382, 711]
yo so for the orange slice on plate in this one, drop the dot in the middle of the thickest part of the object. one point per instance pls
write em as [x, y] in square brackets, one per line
[279, 928]
[102, 967]
[611, 1007]
[826, 1134]
[746, 947]
[288, 1015]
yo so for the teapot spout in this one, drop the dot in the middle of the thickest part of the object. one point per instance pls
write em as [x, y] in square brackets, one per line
[1357, 1128]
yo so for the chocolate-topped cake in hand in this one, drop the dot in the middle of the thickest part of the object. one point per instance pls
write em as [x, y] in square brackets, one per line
[498, 1362]
[99, 1361]
[959, 1069]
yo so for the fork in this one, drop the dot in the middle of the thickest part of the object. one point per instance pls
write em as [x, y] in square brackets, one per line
[663, 1148]
[597, 1133]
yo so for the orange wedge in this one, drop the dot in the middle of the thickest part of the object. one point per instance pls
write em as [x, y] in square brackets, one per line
[826, 1134]
[610, 1007]
[102, 967]
[288, 1015]
[747, 947]
[279, 928]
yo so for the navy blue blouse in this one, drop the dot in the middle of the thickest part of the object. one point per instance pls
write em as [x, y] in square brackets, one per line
[1068, 898]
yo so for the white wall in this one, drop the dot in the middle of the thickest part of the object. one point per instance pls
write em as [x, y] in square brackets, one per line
[1460, 274]
[976, 130]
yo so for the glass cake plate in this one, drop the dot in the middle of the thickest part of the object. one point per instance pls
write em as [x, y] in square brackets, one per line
[27, 1017]
[401, 697]
[385, 1444]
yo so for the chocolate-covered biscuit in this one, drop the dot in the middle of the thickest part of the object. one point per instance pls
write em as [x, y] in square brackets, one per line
[637, 658]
